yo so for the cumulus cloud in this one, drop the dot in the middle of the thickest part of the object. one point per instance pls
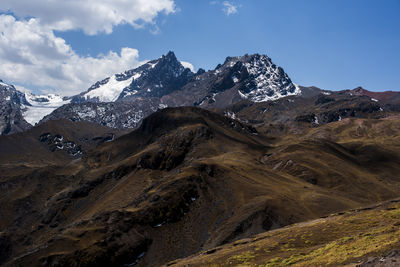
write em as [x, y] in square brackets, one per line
[229, 8]
[188, 65]
[31, 55]
[91, 16]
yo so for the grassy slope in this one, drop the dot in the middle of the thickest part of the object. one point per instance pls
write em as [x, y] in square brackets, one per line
[337, 240]
[354, 158]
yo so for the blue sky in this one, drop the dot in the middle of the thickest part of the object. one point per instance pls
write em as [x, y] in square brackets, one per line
[334, 45]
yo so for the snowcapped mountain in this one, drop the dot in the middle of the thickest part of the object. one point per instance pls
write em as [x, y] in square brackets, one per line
[263, 81]
[253, 77]
[123, 99]
[153, 79]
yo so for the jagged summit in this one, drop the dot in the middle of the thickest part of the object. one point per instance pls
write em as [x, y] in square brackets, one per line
[253, 77]
[152, 79]
[260, 79]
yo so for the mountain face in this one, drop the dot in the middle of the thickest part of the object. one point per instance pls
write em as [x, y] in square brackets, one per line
[124, 99]
[120, 114]
[252, 77]
[11, 117]
[19, 111]
[153, 79]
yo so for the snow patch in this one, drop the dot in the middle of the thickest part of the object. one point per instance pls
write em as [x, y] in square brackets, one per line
[110, 91]
[243, 96]
[40, 106]
[162, 106]
[188, 65]
[375, 100]
[230, 114]
[137, 75]
[134, 92]
[315, 120]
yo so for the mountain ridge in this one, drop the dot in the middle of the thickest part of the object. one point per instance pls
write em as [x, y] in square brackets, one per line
[165, 82]
[124, 99]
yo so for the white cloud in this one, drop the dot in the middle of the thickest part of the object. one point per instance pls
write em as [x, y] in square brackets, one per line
[32, 56]
[92, 16]
[188, 65]
[229, 8]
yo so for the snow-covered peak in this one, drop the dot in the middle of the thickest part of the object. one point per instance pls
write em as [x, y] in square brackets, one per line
[155, 78]
[265, 80]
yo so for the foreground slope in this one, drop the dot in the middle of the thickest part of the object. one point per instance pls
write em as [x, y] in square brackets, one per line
[353, 238]
[188, 180]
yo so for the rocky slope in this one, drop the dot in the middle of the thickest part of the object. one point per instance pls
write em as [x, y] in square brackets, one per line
[11, 116]
[19, 111]
[252, 77]
[119, 115]
[295, 114]
[188, 180]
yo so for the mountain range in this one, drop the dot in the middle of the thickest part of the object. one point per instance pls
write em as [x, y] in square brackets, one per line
[236, 166]
[124, 99]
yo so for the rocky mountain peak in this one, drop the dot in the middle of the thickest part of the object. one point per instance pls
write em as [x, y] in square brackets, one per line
[170, 56]
[259, 78]
[152, 79]
[359, 89]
